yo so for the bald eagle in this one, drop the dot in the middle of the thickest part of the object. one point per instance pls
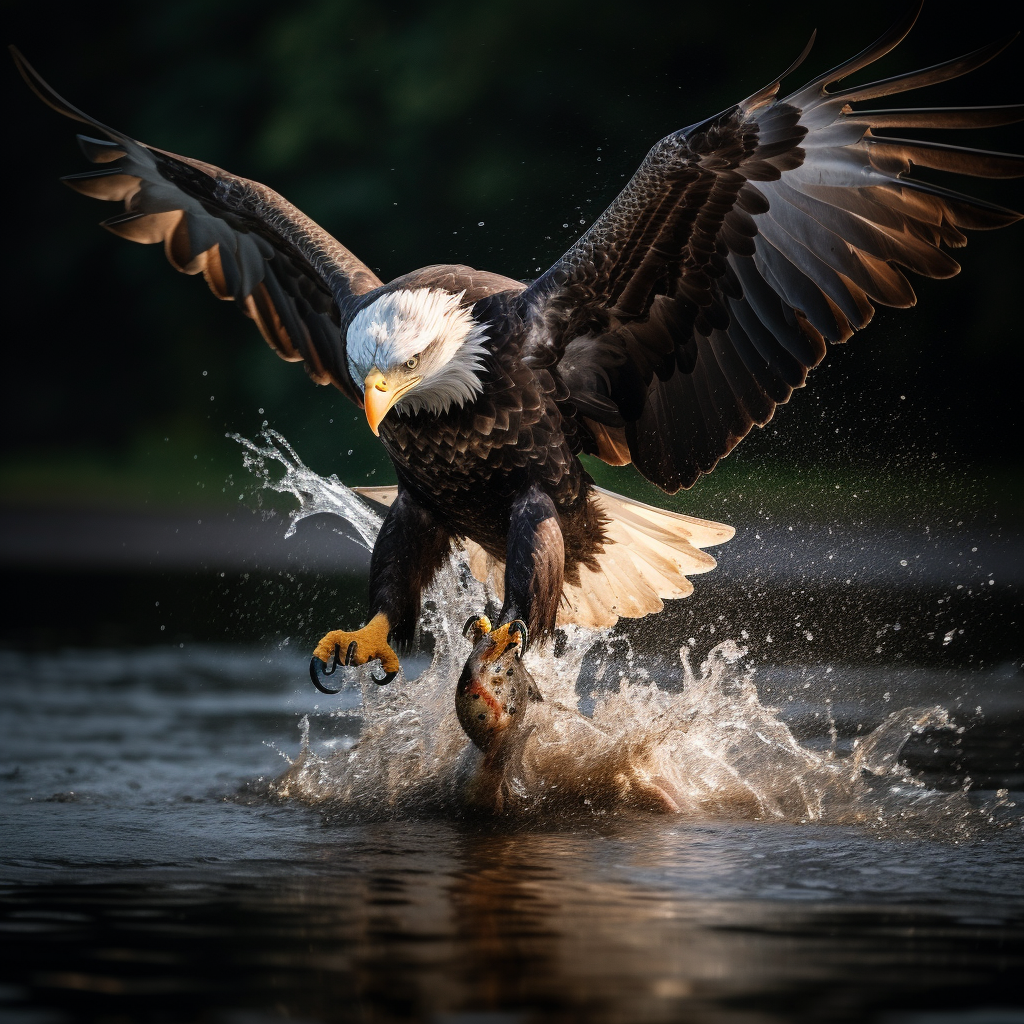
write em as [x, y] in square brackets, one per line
[691, 308]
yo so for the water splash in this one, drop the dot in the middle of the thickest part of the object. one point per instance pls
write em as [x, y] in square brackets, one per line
[711, 747]
[315, 493]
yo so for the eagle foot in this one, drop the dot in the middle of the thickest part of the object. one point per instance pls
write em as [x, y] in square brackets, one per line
[476, 627]
[513, 636]
[514, 632]
[359, 646]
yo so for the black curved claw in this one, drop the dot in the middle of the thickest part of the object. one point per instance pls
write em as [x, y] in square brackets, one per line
[318, 670]
[517, 626]
[384, 679]
[467, 629]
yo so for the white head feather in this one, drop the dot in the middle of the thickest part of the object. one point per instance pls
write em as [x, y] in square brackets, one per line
[430, 325]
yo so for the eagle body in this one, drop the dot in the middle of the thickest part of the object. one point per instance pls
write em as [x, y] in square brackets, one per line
[691, 308]
[468, 469]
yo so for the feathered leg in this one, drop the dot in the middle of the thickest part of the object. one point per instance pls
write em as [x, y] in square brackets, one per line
[410, 548]
[534, 564]
[534, 570]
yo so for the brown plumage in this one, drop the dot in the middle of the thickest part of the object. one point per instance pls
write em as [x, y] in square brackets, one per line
[701, 297]
[693, 306]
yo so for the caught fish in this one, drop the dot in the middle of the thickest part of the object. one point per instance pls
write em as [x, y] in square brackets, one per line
[536, 746]
[495, 686]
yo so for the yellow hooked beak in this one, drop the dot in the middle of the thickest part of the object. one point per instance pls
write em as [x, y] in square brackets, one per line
[379, 395]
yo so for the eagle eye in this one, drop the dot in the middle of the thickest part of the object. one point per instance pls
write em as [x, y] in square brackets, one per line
[413, 363]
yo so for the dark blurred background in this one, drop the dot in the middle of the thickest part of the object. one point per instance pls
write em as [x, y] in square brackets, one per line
[487, 134]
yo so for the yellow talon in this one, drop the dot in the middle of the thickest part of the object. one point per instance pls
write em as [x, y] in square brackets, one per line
[370, 642]
[501, 639]
[474, 629]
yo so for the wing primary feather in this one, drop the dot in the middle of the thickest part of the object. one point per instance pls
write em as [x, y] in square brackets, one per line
[100, 151]
[928, 76]
[938, 117]
[896, 155]
[973, 214]
[53, 99]
[888, 40]
[111, 184]
[768, 92]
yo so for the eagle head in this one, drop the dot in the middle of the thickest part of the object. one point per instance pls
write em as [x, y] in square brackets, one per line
[416, 349]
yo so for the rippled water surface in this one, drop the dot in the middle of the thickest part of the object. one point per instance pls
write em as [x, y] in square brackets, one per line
[145, 878]
[192, 833]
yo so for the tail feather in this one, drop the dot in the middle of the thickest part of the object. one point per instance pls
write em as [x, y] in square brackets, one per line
[647, 558]
[648, 555]
[653, 521]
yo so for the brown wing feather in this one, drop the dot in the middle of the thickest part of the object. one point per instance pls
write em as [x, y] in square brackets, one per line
[286, 273]
[702, 296]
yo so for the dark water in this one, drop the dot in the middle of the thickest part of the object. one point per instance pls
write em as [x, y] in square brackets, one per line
[146, 875]
[850, 846]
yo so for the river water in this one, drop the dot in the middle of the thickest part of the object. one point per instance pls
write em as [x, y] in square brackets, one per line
[191, 833]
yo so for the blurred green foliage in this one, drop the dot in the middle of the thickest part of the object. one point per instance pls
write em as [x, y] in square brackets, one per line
[488, 134]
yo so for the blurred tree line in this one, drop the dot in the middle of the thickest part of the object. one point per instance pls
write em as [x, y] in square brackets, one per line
[488, 134]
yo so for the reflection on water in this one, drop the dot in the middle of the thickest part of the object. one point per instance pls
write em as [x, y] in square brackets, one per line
[142, 878]
[429, 922]
[824, 868]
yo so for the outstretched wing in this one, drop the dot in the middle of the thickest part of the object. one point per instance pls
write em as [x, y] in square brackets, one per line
[284, 271]
[703, 295]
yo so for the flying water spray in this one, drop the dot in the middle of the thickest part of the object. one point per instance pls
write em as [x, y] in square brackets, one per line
[699, 742]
